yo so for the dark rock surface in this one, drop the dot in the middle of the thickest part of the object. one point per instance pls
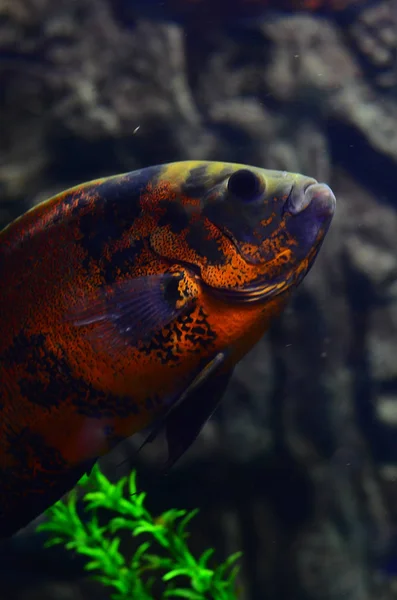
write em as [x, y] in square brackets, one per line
[299, 466]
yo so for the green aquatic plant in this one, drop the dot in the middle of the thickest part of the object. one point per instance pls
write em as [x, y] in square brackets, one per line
[164, 554]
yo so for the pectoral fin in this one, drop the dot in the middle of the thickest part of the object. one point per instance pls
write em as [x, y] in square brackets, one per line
[131, 311]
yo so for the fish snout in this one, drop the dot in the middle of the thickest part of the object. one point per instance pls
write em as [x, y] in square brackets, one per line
[318, 196]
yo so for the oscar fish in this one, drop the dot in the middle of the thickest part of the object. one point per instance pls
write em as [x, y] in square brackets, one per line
[125, 304]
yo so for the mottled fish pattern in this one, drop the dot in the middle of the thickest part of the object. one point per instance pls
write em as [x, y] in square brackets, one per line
[126, 302]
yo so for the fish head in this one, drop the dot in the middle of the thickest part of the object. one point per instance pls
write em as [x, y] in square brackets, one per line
[248, 232]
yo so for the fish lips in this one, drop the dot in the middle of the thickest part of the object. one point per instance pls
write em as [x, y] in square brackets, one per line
[309, 212]
[317, 195]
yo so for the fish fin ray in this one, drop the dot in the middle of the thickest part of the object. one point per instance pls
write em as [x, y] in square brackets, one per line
[130, 311]
[184, 421]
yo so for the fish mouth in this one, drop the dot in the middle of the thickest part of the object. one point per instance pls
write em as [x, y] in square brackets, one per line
[319, 194]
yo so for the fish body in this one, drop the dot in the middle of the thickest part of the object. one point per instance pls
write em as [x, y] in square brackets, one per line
[127, 301]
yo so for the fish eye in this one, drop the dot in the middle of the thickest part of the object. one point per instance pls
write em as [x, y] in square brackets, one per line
[245, 185]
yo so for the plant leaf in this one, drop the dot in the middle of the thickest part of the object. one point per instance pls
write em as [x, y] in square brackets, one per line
[204, 558]
[135, 577]
[183, 571]
[184, 593]
[183, 523]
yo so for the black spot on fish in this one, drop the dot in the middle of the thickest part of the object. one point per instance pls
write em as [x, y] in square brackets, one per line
[117, 207]
[171, 292]
[198, 330]
[24, 350]
[106, 224]
[167, 343]
[198, 240]
[121, 261]
[196, 184]
[175, 215]
[48, 381]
